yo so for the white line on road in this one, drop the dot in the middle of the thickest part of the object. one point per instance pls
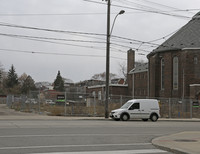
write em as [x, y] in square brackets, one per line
[66, 146]
[145, 151]
[64, 135]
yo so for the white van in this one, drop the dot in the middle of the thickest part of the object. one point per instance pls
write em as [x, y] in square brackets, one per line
[137, 109]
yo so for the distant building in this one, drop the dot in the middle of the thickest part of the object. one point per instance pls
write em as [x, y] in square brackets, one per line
[44, 85]
[140, 80]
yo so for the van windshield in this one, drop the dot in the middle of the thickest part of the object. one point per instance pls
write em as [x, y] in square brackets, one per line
[126, 105]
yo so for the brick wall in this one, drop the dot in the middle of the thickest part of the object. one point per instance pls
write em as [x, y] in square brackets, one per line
[141, 84]
[113, 90]
[188, 73]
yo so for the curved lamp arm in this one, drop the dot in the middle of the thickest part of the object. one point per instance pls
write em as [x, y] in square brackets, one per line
[121, 12]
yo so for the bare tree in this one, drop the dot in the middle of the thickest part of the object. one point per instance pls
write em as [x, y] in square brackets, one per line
[123, 70]
[102, 76]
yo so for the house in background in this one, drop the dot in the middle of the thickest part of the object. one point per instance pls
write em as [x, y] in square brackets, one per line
[140, 80]
[117, 87]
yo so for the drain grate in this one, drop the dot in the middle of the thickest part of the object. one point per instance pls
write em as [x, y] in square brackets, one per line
[185, 140]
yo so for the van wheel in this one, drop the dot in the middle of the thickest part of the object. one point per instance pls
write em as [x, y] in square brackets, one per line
[124, 117]
[145, 119]
[154, 117]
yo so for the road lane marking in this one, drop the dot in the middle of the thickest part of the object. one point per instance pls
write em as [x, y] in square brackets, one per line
[145, 151]
[69, 135]
[66, 146]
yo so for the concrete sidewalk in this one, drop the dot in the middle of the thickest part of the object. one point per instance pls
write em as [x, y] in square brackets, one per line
[184, 142]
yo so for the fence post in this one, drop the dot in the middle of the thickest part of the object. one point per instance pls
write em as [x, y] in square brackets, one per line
[94, 104]
[39, 102]
[170, 108]
[65, 104]
[120, 100]
[191, 108]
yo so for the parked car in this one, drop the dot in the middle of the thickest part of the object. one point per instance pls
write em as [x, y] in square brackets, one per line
[31, 101]
[49, 101]
[137, 109]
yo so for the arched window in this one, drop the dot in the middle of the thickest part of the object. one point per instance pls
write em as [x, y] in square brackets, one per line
[162, 74]
[195, 60]
[175, 73]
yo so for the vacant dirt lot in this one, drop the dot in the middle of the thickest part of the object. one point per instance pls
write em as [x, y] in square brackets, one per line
[5, 111]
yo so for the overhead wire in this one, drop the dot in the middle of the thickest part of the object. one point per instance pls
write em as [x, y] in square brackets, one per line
[56, 53]
[50, 14]
[137, 4]
[150, 44]
[145, 10]
[93, 47]
[51, 38]
[158, 4]
[49, 30]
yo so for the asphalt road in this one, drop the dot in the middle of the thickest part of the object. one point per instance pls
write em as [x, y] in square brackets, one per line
[85, 136]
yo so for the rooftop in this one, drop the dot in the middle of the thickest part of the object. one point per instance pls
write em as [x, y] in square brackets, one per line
[186, 37]
[143, 67]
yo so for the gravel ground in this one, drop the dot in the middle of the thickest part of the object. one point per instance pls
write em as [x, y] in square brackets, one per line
[5, 111]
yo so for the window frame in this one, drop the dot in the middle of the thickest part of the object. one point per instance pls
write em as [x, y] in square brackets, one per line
[175, 72]
[162, 74]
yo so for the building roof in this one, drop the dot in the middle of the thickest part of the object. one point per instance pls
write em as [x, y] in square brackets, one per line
[110, 85]
[187, 37]
[143, 67]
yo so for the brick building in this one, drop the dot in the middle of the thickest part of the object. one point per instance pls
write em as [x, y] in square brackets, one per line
[174, 67]
[140, 80]
[114, 90]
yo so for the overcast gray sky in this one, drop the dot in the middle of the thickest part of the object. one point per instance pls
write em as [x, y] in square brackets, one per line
[40, 37]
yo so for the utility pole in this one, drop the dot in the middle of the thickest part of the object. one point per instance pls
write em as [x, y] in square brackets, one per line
[107, 59]
[109, 32]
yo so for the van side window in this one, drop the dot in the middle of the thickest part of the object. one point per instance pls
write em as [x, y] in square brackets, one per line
[135, 106]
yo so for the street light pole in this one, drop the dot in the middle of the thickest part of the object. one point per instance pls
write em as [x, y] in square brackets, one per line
[109, 32]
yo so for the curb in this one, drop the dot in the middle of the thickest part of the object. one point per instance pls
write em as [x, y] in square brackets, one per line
[173, 150]
[180, 120]
[181, 143]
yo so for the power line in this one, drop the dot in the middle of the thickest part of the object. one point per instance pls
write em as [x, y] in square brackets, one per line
[50, 14]
[154, 3]
[40, 39]
[152, 11]
[134, 40]
[145, 10]
[137, 4]
[60, 43]
[130, 47]
[50, 38]
[85, 14]
[57, 54]
[43, 39]
[93, 47]
[49, 30]
[172, 9]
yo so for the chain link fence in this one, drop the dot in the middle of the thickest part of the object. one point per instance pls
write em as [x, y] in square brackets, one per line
[81, 104]
[3, 99]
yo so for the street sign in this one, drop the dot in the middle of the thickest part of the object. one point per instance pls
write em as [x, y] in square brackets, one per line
[195, 104]
[60, 98]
